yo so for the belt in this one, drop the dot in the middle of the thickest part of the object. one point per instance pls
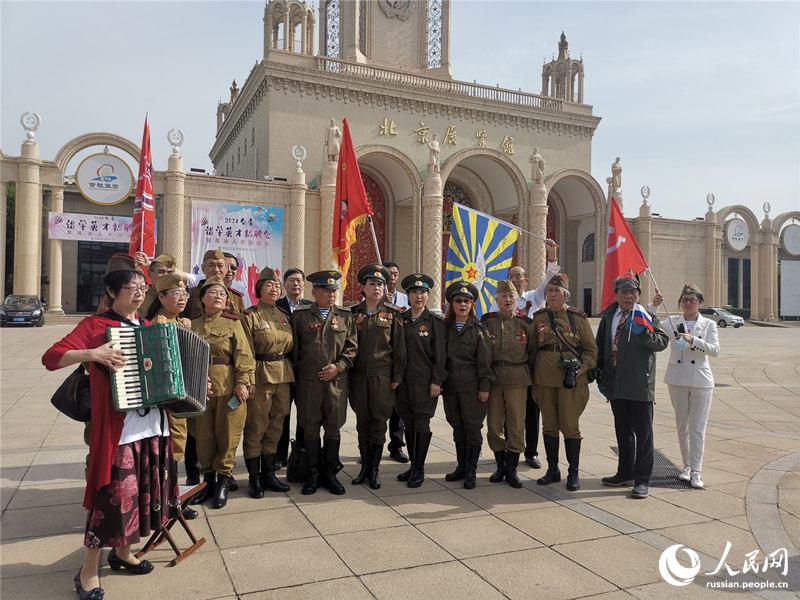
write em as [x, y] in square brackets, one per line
[504, 363]
[222, 360]
[548, 347]
[270, 357]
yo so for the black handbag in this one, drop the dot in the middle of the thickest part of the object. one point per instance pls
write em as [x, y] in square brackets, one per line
[297, 465]
[73, 397]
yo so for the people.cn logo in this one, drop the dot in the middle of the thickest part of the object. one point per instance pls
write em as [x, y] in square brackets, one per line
[672, 571]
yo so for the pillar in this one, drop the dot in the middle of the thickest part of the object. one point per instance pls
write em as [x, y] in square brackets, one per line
[327, 196]
[537, 223]
[174, 200]
[287, 29]
[709, 268]
[304, 42]
[28, 208]
[721, 299]
[644, 237]
[755, 289]
[56, 264]
[3, 216]
[432, 208]
[446, 36]
[769, 267]
[297, 218]
[580, 88]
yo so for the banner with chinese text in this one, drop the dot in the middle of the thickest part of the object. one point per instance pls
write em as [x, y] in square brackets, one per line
[89, 228]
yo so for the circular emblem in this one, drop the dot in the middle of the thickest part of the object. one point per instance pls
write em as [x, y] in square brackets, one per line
[710, 199]
[737, 233]
[175, 138]
[766, 207]
[464, 290]
[791, 239]
[645, 192]
[400, 9]
[30, 121]
[418, 283]
[299, 153]
[104, 179]
[331, 281]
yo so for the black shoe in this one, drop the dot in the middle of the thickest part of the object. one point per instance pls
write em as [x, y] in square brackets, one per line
[500, 473]
[533, 461]
[362, 473]
[471, 467]
[116, 563]
[254, 487]
[233, 485]
[332, 466]
[422, 441]
[640, 491]
[192, 476]
[553, 474]
[92, 594]
[512, 478]
[461, 457]
[397, 455]
[616, 481]
[189, 513]
[208, 491]
[572, 449]
[374, 460]
[223, 486]
[268, 479]
[312, 447]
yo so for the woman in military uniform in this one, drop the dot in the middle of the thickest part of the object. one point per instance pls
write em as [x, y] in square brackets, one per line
[466, 390]
[219, 429]
[377, 371]
[566, 350]
[270, 334]
[426, 369]
[513, 343]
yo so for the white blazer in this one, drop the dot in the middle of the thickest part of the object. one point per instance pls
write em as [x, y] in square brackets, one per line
[690, 367]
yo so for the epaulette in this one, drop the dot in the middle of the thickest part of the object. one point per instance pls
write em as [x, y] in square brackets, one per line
[541, 310]
[437, 315]
[235, 291]
[392, 306]
[302, 307]
[525, 318]
[341, 308]
[488, 315]
[250, 310]
[479, 324]
[577, 311]
[230, 315]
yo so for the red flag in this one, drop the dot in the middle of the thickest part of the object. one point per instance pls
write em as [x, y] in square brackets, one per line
[351, 207]
[622, 254]
[143, 235]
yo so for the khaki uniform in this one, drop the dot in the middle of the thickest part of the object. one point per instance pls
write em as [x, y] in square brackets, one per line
[469, 364]
[219, 430]
[194, 306]
[426, 364]
[561, 408]
[513, 341]
[381, 361]
[318, 342]
[149, 297]
[270, 334]
[177, 427]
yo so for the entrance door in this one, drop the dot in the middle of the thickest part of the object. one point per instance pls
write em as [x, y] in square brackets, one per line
[92, 259]
[362, 252]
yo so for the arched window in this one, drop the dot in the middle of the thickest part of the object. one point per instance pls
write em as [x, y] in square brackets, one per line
[587, 250]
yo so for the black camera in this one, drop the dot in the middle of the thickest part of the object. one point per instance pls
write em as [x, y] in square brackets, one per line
[571, 366]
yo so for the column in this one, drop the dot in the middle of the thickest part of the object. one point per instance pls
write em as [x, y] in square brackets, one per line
[303, 42]
[709, 285]
[537, 224]
[174, 201]
[28, 208]
[769, 267]
[755, 289]
[740, 293]
[287, 28]
[3, 215]
[446, 36]
[721, 299]
[327, 196]
[644, 237]
[56, 264]
[432, 208]
[297, 218]
[580, 88]
[416, 228]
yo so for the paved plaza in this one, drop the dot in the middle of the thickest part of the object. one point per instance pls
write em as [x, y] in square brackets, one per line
[439, 541]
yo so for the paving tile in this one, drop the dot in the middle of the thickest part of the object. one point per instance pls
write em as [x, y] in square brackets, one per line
[710, 538]
[261, 527]
[44, 521]
[650, 513]
[710, 503]
[42, 555]
[639, 567]
[351, 515]
[664, 591]
[500, 497]
[477, 536]
[348, 588]
[240, 502]
[444, 581]
[433, 506]
[789, 500]
[556, 525]
[52, 586]
[45, 494]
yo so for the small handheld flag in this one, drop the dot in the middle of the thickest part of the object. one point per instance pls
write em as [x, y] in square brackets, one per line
[639, 319]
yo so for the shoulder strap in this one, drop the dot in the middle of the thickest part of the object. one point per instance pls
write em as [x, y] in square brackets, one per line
[560, 334]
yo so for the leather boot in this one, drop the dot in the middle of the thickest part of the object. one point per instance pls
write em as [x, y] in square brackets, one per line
[473, 454]
[312, 451]
[461, 457]
[254, 487]
[572, 448]
[208, 491]
[500, 473]
[512, 460]
[268, 479]
[410, 441]
[190, 461]
[223, 485]
[362, 474]
[374, 459]
[421, 443]
[553, 473]
[332, 467]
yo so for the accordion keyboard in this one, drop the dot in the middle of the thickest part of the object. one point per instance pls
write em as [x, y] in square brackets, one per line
[127, 380]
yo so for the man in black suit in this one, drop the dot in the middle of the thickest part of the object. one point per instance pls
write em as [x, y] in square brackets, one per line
[293, 284]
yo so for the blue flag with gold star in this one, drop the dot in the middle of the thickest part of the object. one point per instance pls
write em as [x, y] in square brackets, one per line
[481, 252]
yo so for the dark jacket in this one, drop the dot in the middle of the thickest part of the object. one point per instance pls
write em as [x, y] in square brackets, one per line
[634, 377]
[283, 304]
[469, 358]
[381, 343]
[426, 349]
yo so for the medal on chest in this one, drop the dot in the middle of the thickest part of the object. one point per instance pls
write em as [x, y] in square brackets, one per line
[359, 321]
[315, 325]
[540, 331]
[334, 323]
[522, 336]
[423, 331]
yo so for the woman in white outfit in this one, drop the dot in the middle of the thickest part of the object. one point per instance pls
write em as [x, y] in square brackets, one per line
[689, 377]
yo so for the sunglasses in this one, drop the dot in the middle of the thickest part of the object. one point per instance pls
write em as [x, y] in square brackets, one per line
[461, 300]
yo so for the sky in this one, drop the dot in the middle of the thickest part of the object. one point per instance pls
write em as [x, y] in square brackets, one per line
[695, 97]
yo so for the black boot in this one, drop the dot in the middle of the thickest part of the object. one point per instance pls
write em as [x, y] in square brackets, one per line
[312, 451]
[572, 448]
[512, 460]
[335, 486]
[223, 485]
[410, 441]
[190, 461]
[208, 491]
[374, 460]
[254, 487]
[461, 457]
[420, 445]
[362, 474]
[500, 473]
[553, 473]
[268, 479]
[473, 454]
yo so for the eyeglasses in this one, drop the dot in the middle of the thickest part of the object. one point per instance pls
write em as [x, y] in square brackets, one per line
[217, 294]
[141, 289]
[690, 300]
[177, 293]
[461, 300]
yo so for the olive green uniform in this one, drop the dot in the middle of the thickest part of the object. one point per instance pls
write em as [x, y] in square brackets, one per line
[513, 342]
[426, 364]
[381, 361]
[318, 342]
[149, 297]
[219, 429]
[270, 334]
[194, 307]
[561, 408]
[177, 426]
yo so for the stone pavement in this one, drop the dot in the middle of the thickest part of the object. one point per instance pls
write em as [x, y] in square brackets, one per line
[439, 541]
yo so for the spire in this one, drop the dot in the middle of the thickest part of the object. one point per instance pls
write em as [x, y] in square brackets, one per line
[234, 92]
[563, 47]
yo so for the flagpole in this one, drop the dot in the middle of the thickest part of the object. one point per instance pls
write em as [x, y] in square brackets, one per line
[374, 239]
[669, 315]
[517, 227]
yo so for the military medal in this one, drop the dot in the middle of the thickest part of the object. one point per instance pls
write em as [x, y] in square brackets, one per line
[423, 330]
[315, 325]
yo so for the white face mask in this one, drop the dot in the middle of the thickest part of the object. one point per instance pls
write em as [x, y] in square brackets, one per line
[680, 344]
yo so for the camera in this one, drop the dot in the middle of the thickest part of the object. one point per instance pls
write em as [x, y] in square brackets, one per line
[571, 366]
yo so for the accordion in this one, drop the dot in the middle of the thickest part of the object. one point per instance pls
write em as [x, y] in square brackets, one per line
[166, 366]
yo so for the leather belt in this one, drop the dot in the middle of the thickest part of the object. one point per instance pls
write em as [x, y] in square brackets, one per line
[505, 363]
[270, 357]
[222, 360]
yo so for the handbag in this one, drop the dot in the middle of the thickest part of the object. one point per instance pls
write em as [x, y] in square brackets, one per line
[297, 464]
[73, 397]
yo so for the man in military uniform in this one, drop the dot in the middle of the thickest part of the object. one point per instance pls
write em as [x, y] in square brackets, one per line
[378, 369]
[325, 347]
[214, 263]
[237, 298]
[160, 265]
[513, 343]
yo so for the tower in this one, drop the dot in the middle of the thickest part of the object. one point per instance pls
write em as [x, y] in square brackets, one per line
[298, 37]
[560, 75]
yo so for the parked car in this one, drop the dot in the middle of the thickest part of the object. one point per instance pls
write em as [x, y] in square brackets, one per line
[722, 317]
[21, 310]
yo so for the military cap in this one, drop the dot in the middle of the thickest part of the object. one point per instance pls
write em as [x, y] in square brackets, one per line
[121, 262]
[560, 279]
[417, 280]
[267, 274]
[213, 255]
[691, 289]
[169, 281]
[505, 286]
[461, 288]
[378, 272]
[213, 280]
[627, 282]
[165, 259]
[326, 279]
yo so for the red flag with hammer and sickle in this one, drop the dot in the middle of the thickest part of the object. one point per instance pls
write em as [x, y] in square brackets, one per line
[623, 254]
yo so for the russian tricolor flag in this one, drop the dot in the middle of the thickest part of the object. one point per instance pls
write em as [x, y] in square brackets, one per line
[639, 319]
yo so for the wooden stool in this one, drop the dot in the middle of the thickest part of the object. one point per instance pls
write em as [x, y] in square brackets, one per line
[158, 537]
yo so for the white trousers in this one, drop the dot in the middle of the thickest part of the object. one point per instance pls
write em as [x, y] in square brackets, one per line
[692, 405]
